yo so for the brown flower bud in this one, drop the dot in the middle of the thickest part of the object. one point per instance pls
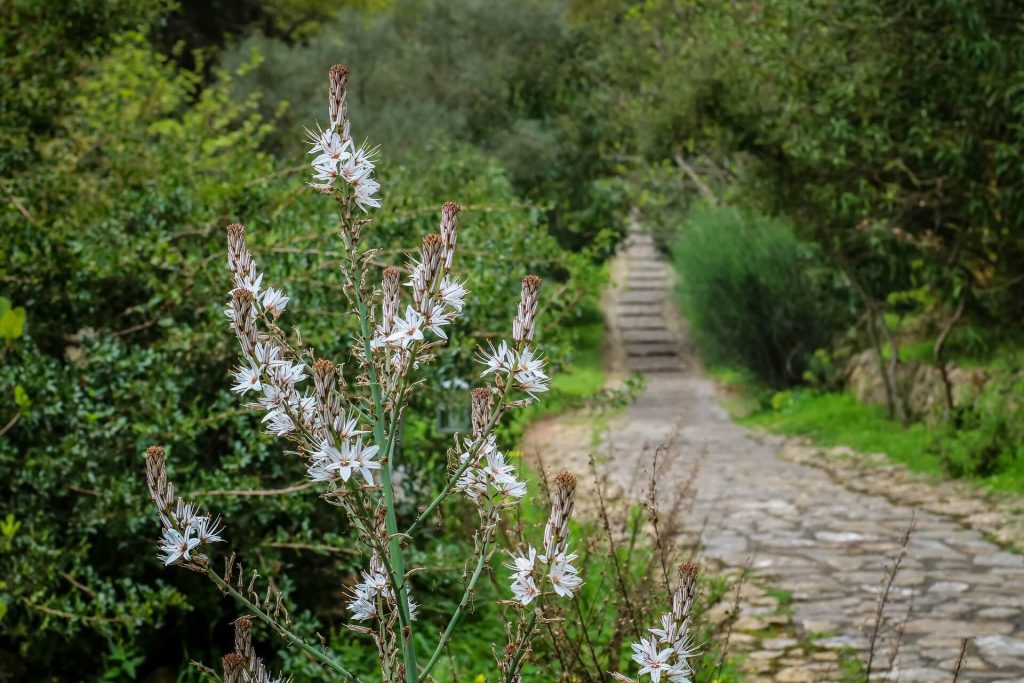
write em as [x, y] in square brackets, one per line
[481, 410]
[390, 301]
[338, 94]
[556, 531]
[234, 668]
[449, 230]
[526, 315]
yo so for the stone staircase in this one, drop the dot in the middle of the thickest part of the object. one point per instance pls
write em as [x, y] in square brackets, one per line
[639, 309]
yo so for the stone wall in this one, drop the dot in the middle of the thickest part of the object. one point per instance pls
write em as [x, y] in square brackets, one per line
[922, 382]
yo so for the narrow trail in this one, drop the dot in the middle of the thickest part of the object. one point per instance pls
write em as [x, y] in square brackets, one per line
[796, 528]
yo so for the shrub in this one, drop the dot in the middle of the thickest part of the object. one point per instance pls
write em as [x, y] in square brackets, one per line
[112, 253]
[754, 294]
[985, 438]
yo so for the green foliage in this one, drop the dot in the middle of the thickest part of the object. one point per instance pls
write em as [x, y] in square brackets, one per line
[114, 252]
[751, 293]
[985, 437]
[834, 419]
[511, 79]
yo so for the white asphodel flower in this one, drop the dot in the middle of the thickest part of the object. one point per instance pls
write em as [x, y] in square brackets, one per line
[436, 318]
[177, 546]
[362, 459]
[326, 171]
[497, 360]
[565, 580]
[511, 489]
[522, 565]
[526, 364]
[250, 282]
[347, 427]
[274, 301]
[525, 589]
[208, 530]
[453, 292]
[407, 330]
[652, 661]
[247, 378]
[365, 189]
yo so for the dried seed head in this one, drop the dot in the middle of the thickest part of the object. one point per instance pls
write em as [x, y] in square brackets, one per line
[338, 94]
[481, 410]
[526, 315]
[449, 230]
[234, 668]
[556, 531]
[390, 302]
[160, 490]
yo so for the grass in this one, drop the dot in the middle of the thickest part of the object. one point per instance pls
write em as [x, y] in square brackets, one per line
[833, 419]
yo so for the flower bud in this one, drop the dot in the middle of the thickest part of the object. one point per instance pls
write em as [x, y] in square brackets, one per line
[556, 531]
[526, 315]
[481, 410]
[427, 270]
[338, 95]
[449, 230]
[682, 598]
[390, 302]
[234, 668]
[244, 316]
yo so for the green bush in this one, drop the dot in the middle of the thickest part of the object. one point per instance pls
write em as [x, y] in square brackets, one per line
[985, 438]
[754, 294]
[112, 334]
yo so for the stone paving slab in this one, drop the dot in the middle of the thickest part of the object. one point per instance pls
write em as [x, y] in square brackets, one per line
[803, 530]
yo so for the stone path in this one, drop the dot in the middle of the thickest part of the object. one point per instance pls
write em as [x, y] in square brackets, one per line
[795, 526]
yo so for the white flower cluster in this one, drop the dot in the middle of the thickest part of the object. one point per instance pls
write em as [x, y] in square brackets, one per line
[332, 462]
[658, 658]
[374, 586]
[669, 649]
[338, 157]
[526, 370]
[187, 531]
[565, 579]
[489, 478]
[264, 369]
[184, 529]
[438, 297]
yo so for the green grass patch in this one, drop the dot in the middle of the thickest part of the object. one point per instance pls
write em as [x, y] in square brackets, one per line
[832, 419]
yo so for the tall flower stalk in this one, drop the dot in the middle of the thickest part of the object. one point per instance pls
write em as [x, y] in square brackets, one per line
[347, 429]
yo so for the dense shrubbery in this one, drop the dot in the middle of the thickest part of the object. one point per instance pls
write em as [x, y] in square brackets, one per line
[753, 293]
[113, 244]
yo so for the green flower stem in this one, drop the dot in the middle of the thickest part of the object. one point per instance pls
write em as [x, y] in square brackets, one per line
[531, 622]
[463, 603]
[418, 522]
[316, 654]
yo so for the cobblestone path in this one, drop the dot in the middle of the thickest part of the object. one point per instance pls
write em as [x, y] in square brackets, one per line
[797, 528]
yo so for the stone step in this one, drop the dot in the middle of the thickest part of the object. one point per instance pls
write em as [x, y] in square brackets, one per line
[647, 275]
[652, 296]
[652, 350]
[646, 286]
[655, 365]
[650, 322]
[639, 310]
[660, 335]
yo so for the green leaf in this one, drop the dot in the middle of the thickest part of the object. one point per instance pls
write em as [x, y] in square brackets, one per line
[12, 320]
[21, 398]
